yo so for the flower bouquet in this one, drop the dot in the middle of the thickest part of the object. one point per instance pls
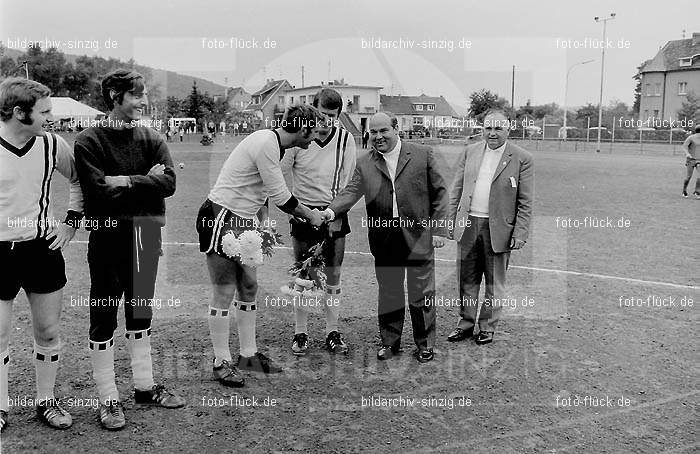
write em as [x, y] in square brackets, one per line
[250, 246]
[308, 284]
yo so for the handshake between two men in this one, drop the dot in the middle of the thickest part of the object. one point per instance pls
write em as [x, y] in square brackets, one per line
[317, 217]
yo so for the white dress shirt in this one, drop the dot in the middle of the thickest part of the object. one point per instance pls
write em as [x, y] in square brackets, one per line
[480, 198]
[392, 160]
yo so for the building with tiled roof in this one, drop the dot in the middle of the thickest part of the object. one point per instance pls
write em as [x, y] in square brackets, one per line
[238, 98]
[267, 104]
[668, 77]
[360, 102]
[420, 112]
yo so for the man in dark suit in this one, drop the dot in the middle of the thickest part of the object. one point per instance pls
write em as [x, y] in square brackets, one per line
[406, 202]
[490, 206]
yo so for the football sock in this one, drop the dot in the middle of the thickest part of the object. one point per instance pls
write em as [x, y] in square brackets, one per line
[245, 318]
[4, 367]
[46, 366]
[219, 329]
[332, 307]
[139, 344]
[102, 359]
[301, 318]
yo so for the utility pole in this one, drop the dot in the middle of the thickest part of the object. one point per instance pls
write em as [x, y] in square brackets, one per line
[512, 94]
[602, 75]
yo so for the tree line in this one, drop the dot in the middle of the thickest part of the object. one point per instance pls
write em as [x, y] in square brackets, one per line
[482, 100]
[81, 79]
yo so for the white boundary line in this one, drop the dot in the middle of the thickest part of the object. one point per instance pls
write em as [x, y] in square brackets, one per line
[532, 268]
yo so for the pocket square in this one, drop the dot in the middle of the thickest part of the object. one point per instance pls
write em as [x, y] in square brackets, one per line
[512, 182]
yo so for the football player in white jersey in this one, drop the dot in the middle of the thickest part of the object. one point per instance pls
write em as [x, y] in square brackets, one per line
[30, 239]
[250, 175]
[317, 174]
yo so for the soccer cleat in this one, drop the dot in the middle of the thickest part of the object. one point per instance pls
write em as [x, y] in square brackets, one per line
[158, 395]
[335, 343]
[228, 375]
[4, 420]
[300, 344]
[112, 415]
[51, 413]
[697, 195]
[258, 363]
[684, 194]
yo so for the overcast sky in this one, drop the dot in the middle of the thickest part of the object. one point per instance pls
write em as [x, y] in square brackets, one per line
[335, 38]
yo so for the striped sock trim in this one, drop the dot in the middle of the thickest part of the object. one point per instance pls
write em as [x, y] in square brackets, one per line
[102, 345]
[215, 312]
[333, 290]
[47, 358]
[245, 306]
[138, 334]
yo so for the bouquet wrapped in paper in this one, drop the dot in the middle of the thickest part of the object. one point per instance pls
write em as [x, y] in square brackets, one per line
[250, 246]
[307, 288]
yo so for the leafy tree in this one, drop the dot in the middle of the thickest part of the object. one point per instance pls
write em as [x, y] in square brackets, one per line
[614, 111]
[551, 109]
[690, 109]
[194, 104]
[526, 110]
[482, 100]
[8, 67]
[76, 84]
[637, 90]
[219, 109]
[589, 110]
[174, 106]
[47, 67]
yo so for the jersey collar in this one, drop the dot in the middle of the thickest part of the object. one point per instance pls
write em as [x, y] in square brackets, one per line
[18, 151]
[328, 139]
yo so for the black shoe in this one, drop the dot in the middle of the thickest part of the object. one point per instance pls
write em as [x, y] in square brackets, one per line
[160, 396]
[335, 343]
[258, 363]
[484, 337]
[4, 420]
[228, 375]
[424, 355]
[684, 194]
[460, 334]
[300, 344]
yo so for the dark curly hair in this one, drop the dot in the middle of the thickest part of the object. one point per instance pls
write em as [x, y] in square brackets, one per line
[121, 81]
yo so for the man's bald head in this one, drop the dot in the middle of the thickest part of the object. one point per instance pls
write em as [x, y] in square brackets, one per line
[383, 129]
